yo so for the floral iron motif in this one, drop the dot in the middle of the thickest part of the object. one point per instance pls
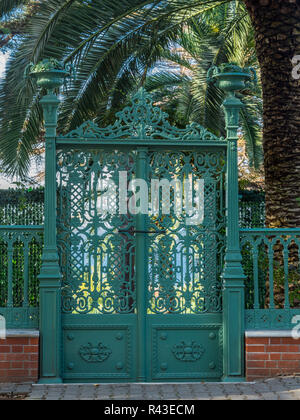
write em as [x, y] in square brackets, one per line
[188, 352]
[94, 354]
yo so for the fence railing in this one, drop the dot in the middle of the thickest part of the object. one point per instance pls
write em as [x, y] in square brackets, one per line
[20, 262]
[271, 260]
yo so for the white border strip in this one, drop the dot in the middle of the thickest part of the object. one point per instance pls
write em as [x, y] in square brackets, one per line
[269, 333]
[22, 333]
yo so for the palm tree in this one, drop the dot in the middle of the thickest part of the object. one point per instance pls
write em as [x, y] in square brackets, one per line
[112, 43]
[184, 93]
[112, 53]
[277, 32]
[100, 38]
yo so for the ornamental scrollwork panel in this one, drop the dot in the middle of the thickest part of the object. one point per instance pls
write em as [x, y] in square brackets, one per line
[186, 262]
[142, 120]
[97, 243]
[97, 261]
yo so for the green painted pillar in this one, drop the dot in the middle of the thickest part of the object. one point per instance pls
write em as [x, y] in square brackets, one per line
[233, 276]
[231, 78]
[50, 276]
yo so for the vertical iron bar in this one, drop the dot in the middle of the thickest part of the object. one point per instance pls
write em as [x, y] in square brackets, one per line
[286, 276]
[271, 276]
[141, 275]
[26, 274]
[10, 292]
[256, 280]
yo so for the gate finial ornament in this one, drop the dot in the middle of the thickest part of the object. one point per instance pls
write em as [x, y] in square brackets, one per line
[49, 73]
[231, 77]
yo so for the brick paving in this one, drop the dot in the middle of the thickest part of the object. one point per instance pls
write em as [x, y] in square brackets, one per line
[272, 389]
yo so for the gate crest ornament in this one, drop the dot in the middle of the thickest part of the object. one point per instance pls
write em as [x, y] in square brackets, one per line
[142, 120]
[94, 354]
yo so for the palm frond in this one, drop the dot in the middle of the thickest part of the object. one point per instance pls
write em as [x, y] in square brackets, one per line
[114, 47]
[7, 6]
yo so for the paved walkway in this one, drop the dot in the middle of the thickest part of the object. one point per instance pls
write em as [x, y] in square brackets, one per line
[272, 389]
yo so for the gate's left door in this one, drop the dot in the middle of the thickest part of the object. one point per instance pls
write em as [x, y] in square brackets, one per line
[97, 251]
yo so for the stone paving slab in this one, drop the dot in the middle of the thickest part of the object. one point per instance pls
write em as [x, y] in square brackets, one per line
[273, 389]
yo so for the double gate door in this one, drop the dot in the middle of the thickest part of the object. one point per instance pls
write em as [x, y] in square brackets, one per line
[141, 236]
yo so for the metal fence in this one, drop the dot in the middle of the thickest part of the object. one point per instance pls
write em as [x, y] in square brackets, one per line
[21, 241]
[20, 262]
[271, 264]
[270, 260]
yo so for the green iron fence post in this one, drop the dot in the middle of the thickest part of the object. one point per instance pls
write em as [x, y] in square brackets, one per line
[232, 78]
[50, 277]
[233, 276]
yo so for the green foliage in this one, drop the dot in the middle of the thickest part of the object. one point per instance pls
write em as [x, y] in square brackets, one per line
[252, 209]
[47, 64]
[14, 16]
[7, 6]
[113, 47]
[226, 35]
[231, 68]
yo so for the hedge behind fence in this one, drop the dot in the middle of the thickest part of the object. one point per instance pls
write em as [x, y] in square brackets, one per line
[252, 209]
[22, 207]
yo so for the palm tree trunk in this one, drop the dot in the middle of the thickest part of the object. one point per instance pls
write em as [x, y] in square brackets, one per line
[277, 31]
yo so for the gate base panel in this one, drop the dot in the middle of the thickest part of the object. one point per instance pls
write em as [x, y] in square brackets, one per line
[179, 348]
[185, 348]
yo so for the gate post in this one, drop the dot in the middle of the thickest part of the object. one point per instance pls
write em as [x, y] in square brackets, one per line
[231, 78]
[233, 276]
[50, 276]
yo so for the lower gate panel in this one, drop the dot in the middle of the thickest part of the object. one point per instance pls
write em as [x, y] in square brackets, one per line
[101, 349]
[178, 348]
[186, 351]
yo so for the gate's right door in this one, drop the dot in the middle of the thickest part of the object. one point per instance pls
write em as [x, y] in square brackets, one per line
[185, 263]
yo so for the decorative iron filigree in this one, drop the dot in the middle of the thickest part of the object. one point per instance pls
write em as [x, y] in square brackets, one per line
[95, 354]
[97, 262]
[98, 250]
[186, 263]
[142, 120]
[188, 352]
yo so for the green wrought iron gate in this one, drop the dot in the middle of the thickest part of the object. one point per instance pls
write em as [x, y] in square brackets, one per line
[141, 236]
